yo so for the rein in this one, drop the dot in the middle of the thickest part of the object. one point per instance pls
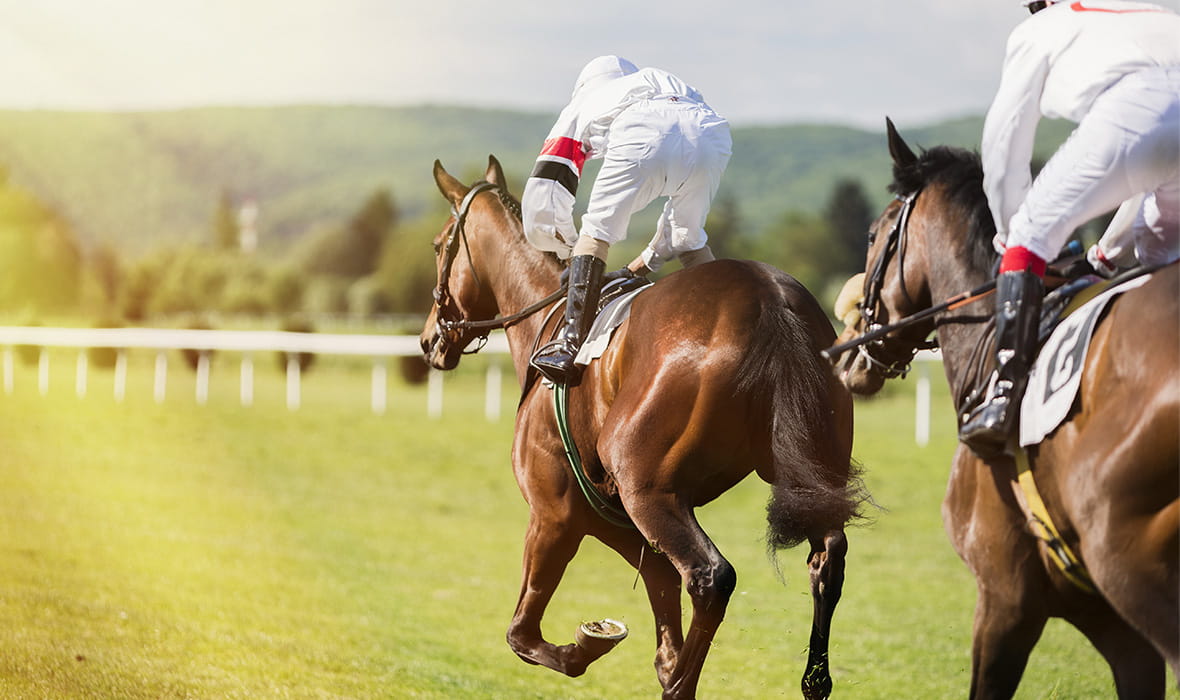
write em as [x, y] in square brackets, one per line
[442, 292]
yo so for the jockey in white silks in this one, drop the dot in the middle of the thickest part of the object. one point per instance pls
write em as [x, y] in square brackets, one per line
[658, 138]
[1112, 67]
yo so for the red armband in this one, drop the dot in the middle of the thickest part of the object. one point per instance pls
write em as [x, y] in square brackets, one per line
[1021, 259]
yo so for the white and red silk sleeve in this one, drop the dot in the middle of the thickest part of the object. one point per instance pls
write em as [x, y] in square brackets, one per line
[549, 195]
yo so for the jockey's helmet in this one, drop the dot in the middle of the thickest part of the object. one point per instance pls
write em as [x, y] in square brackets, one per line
[601, 69]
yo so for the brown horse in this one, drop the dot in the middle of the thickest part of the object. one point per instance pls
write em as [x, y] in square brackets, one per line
[716, 373]
[1109, 476]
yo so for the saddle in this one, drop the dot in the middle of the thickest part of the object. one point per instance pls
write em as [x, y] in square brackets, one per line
[1066, 296]
[616, 288]
[1070, 315]
[614, 306]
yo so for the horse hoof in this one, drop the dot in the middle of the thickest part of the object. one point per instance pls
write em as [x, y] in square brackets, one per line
[597, 638]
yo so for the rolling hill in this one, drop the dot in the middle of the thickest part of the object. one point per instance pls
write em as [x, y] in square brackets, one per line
[141, 180]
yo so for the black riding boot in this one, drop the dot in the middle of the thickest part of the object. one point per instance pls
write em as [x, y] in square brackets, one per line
[556, 360]
[1018, 313]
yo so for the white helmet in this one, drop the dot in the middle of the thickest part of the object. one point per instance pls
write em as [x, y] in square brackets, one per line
[602, 69]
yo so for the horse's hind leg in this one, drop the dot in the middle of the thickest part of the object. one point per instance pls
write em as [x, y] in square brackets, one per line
[549, 547]
[826, 563]
[708, 578]
[662, 582]
[1138, 668]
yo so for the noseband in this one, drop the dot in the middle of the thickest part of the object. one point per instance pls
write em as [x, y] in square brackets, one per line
[872, 350]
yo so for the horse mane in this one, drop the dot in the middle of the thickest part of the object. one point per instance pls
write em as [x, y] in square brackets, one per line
[959, 172]
[511, 203]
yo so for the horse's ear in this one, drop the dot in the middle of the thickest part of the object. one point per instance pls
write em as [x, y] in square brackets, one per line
[495, 173]
[451, 188]
[901, 152]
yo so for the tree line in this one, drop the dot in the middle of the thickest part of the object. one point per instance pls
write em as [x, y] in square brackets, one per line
[373, 263]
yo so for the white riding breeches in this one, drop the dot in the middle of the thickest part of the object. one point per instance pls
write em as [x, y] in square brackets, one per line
[666, 147]
[1127, 144]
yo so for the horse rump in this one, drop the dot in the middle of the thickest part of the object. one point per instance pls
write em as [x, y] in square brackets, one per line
[816, 487]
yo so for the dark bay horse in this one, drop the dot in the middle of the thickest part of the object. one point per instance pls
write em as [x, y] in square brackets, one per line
[715, 374]
[1109, 476]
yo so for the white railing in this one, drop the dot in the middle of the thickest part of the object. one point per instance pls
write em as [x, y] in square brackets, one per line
[378, 347]
[247, 342]
[922, 362]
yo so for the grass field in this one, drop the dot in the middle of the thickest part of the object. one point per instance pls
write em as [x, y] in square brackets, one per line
[216, 551]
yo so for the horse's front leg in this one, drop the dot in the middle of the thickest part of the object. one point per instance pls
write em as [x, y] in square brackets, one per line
[826, 564]
[549, 546]
[662, 582]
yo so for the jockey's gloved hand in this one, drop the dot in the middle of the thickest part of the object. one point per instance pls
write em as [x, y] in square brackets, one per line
[1099, 262]
[622, 273]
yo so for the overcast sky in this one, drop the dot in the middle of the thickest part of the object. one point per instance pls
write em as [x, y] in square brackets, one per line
[757, 62]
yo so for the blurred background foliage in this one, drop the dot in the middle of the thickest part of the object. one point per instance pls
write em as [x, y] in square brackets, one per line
[141, 218]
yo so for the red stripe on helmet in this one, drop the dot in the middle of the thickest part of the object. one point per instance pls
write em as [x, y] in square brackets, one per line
[1079, 7]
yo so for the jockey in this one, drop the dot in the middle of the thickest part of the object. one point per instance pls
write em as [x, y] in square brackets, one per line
[657, 137]
[1112, 67]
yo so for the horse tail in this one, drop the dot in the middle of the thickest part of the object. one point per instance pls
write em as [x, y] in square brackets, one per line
[816, 486]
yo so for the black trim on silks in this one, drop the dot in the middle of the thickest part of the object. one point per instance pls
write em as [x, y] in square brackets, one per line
[558, 172]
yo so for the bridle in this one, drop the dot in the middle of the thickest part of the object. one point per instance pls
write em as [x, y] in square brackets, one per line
[871, 346]
[450, 250]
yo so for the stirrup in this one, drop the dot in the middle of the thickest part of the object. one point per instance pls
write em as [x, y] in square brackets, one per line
[558, 370]
[987, 427]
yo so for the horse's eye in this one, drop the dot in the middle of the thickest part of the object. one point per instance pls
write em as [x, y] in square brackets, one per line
[872, 237]
[437, 247]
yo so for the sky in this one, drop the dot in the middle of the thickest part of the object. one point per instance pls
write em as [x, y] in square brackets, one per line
[757, 62]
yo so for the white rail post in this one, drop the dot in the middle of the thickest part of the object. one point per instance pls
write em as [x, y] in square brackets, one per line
[160, 387]
[246, 388]
[8, 370]
[922, 406]
[293, 398]
[378, 401]
[80, 375]
[202, 378]
[43, 372]
[491, 406]
[434, 394]
[120, 375]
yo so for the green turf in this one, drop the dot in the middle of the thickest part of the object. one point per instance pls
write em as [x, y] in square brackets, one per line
[216, 551]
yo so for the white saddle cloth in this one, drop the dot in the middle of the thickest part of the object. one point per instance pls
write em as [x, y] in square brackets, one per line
[1057, 372]
[611, 317]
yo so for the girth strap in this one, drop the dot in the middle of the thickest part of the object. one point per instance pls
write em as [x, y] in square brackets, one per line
[1042, 527]
[605, 509]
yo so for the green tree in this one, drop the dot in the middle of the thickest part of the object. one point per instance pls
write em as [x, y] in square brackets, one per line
[407, 271]
[354, 251]
[848, 213]
[724, 226]
[226, 233]
[799, 243]
[40, 260]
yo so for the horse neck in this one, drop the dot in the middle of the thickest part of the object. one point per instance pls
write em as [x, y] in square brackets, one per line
[518, 275]
[959, 332]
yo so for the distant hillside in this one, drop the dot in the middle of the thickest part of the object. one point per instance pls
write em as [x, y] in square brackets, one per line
[141, 179]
